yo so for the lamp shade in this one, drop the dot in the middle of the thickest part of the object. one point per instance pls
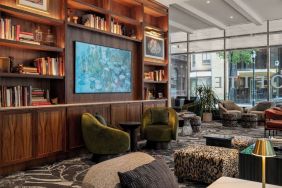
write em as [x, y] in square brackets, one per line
[264, 148]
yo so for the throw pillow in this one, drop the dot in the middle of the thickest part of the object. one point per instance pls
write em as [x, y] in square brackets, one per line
[101, 119]
[153, 175]
[262, 106]
[159, 116]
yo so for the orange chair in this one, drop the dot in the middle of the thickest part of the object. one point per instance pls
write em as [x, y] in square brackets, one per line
[273, 120]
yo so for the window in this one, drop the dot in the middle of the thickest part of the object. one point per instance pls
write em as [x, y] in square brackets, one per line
[193, 60]
[206, 59]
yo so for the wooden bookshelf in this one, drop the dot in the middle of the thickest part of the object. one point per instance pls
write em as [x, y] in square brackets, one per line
[124, 19]
[155, 82]
[81, 5]
[26, 15]
[102, 31]
[148, 63]
[28, 46]
[17, 75]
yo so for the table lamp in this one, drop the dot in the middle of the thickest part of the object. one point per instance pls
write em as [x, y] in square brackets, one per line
[263, 148]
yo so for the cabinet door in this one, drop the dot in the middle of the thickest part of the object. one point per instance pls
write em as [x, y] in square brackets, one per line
[15, 137]
[74, 122]
[50, 131]
[118, 114]
[134, 112]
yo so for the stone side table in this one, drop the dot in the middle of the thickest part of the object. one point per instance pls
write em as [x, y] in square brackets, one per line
[196, 123]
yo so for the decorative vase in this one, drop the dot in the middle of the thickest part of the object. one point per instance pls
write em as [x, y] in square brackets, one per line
[207, 117]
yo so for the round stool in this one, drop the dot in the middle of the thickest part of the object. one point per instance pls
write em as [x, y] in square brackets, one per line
[196, 123]
[229, 120]
[249, 120]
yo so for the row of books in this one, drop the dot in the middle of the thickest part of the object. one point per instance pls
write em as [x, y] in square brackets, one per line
[94, 21]
[16, 96]
[50, 66]
[13, 32]
[157, 75]
[116, 27]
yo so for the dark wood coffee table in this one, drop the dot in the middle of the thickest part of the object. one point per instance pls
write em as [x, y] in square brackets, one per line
[131, 127]
[219, 140]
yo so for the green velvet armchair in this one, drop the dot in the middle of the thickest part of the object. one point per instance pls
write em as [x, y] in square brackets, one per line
[159, 125]
[101, 139]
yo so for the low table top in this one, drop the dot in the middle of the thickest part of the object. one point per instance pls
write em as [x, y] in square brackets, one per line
[224, 182]
[219, 137]
[130, 124]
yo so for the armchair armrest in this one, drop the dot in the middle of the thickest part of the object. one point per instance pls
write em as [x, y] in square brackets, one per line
[173, 123]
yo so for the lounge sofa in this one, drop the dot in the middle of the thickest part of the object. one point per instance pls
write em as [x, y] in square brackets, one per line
[229, 106]
[273, 120]
[259, 110]
[159, 126]
[102, 140]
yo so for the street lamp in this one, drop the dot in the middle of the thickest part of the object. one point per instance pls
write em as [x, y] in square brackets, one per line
[254, 80]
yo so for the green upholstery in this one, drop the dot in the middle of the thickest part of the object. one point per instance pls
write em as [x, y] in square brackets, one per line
[159, 116]
[159, 132]
[103, 140]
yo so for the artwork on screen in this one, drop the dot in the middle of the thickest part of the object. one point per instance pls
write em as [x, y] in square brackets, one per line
[100, 69]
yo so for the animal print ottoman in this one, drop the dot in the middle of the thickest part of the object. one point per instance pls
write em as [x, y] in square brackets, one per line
[205, 163]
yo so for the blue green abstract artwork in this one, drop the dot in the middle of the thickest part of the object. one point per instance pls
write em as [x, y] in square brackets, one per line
[100, 69]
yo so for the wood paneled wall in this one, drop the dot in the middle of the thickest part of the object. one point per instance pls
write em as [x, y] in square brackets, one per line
[75, 34]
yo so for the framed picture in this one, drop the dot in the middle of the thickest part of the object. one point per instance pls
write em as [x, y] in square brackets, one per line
[154, 47]
[41, 5]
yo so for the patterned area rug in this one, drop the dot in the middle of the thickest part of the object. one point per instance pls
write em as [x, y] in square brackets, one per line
[70, 173]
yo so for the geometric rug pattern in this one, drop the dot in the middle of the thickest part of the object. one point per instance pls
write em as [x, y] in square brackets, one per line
[70, 172]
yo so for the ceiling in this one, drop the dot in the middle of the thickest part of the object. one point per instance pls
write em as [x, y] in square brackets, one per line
[192, 15]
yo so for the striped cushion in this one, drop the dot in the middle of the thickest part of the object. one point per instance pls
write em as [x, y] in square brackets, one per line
[153, 175]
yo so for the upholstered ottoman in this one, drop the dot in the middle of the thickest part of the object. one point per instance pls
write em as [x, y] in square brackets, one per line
[242, 142]
[196, 123]
[205, 163]
[229, 120]
[249, 120]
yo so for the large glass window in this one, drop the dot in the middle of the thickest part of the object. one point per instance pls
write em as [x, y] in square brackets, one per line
[276, 74]
[207, 70]
[247, 76]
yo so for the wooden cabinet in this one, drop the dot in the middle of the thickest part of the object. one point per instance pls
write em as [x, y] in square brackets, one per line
[118, 114]
[134, 112]
[75, 139]
[15, 137]
[50, 131]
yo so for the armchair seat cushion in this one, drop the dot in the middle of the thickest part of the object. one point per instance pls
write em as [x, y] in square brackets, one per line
[159, 133]
[237, 112]
[274, 124]
[260, 115]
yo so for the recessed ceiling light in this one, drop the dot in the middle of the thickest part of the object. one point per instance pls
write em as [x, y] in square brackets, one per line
[231, 17]
[208, 2]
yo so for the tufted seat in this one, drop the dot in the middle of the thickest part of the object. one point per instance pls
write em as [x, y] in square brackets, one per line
[205, 163]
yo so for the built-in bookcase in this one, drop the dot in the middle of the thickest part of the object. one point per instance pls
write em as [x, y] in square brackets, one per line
[18, 22]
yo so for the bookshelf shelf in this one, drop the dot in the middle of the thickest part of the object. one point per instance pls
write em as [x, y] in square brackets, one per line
[155, 82]
[22, 14]
[17, 75]
[125, 19]
[23, 45]
[101, 31]
[80, 5]
[129, 2]
[149, 26]
[154, 64]
[153, 12]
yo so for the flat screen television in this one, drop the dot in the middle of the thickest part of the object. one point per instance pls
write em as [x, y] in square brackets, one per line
[100, 69]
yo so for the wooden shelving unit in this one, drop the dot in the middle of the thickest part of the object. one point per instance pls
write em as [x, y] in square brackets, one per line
[26, 15]
[17, 75]
[81, 5]
[23, 45]
[155, 82]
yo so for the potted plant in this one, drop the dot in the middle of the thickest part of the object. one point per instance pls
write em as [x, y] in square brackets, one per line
[207, 102]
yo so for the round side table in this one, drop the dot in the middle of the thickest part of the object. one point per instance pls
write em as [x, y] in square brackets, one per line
[131, 127]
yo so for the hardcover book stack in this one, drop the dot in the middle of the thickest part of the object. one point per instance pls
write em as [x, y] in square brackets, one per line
[40, 97]
[15, 96]
[50, 66]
